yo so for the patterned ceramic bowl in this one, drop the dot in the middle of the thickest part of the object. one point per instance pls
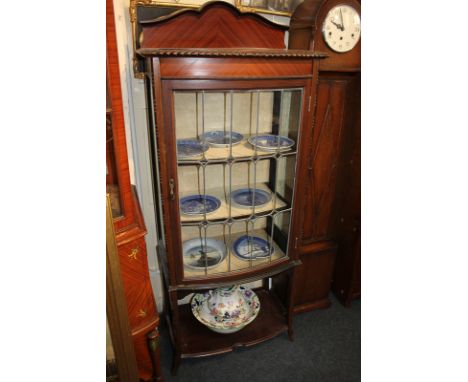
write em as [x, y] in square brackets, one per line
[226, 310]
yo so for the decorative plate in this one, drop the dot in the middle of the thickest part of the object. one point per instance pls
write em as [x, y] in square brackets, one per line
[199, 204]
[246, 197]
[187, 148]
[226, 310]
[200, 253]
[221, 138]
[252, 247]
[271, 142]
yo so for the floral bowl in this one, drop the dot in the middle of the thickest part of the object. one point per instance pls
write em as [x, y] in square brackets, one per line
[226, 310]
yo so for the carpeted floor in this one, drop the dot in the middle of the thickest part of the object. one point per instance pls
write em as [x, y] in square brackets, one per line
[327, 348]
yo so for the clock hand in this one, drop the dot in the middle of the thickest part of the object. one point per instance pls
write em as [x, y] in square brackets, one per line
[340, 27]
[342, 23]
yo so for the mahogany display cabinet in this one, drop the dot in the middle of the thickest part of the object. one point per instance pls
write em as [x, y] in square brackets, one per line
[128, 221]
[210, 71]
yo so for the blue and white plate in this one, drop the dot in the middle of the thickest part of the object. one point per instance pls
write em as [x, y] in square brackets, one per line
[252, 247]
[246, 197]
[271, 142]
[187, 148]
[221, 138]
[199, 204]
[200, 253]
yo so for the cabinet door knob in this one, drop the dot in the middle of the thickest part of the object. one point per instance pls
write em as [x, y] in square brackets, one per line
[171, 188]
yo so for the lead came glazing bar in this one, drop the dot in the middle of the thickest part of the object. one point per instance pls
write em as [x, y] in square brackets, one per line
[250, 241]
[203, 126]
[204, 185]
[280, 121]
[196, 114]
[226, 221]
[230, 125]
[230, 163]
[255, 156]
[273, 217]
[257, 121]
[274, 212]
[204, 158]
[234, 159]
[229, 246]
[205, 250]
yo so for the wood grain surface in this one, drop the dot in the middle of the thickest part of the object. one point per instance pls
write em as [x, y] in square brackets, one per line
[213, 26]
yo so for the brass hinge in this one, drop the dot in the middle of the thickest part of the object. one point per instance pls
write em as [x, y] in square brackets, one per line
[171, 189]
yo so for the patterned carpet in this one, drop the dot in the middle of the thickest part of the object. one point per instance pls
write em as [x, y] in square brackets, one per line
[327, 348]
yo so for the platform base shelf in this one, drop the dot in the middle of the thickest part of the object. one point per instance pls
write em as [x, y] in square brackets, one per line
[199, 341]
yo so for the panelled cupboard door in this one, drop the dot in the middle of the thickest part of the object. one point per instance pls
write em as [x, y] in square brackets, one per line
[334, 95]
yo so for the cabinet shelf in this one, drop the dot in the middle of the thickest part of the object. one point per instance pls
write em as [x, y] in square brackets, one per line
[241, 152]
[198, 341]
[231, 264]
[223, 212]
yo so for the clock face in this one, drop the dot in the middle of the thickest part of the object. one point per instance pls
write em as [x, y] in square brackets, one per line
[342, 28]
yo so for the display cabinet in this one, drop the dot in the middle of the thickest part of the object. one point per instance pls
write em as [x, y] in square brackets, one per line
[128, 221]
[231, 110]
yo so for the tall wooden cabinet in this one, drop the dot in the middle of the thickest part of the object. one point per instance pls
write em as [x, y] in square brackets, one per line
[128, 221]
[216, 70]
[330, 241]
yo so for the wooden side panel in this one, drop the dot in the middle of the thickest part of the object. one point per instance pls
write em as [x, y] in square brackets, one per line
[324, 158]
[314, 277]
[117, 122]
[347, 214]
[135, 275]
[347, 274]
[216, 26]
[206, 67]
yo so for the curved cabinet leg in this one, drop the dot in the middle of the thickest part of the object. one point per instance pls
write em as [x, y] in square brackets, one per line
[153, 343]
[175, 331]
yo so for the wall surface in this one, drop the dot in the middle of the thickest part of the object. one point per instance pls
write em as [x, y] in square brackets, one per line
[135, 114]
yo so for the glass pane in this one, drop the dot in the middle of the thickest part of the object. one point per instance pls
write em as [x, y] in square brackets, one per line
[236, 153]
[112, 183]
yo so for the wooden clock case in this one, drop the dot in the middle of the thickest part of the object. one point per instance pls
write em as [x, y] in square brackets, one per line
[333, 183]
[129, 226]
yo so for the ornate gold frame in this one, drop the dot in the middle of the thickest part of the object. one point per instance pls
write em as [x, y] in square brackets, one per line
[244, 8]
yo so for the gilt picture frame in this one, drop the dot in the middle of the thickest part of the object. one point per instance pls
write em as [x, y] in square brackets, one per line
[273, 7]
